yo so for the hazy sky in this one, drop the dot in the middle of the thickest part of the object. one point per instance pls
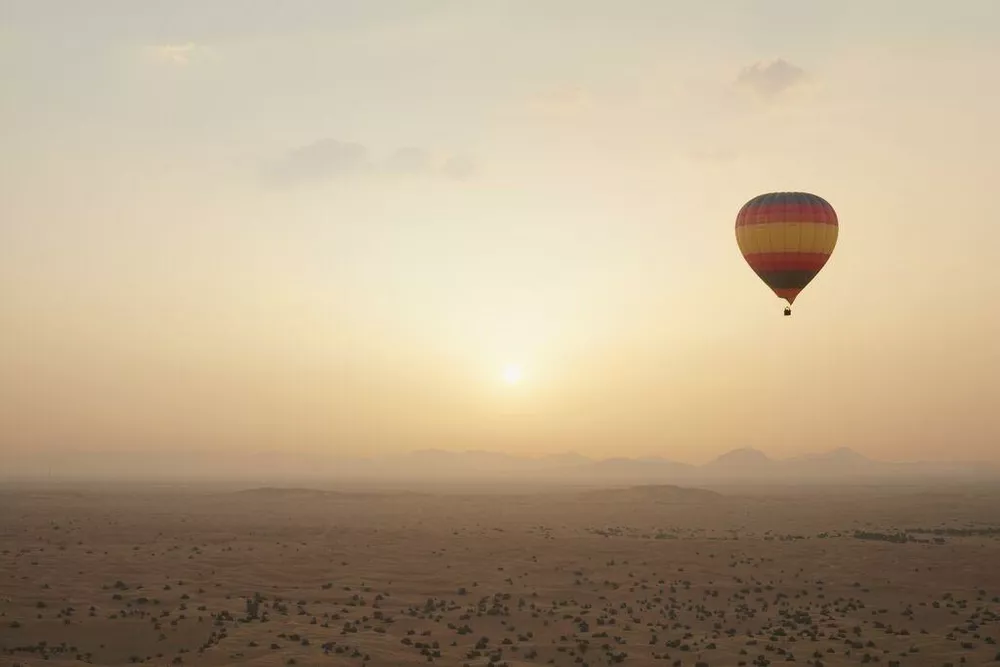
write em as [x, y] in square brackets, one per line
[327, 227]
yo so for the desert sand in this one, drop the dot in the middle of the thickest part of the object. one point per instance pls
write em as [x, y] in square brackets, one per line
[161, 575]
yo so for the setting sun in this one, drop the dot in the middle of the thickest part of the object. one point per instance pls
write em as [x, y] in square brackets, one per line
[512, 373]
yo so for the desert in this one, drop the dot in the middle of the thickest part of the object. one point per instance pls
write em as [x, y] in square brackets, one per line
[649, 574]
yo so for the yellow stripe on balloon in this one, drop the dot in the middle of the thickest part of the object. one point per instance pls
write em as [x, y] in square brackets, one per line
[787, 237]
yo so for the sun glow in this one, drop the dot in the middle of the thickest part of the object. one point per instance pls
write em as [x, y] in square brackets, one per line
[512, 373]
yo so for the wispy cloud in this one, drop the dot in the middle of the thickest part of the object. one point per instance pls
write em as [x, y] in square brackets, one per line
[459, 167]
[329, 158]
[320, 160]
[772, 79]
[408, 160]
[560, 101]
[175, 54]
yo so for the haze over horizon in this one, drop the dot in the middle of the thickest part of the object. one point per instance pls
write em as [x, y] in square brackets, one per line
[349, 229]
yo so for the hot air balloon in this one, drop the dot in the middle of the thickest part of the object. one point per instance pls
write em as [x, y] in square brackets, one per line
[786, 238]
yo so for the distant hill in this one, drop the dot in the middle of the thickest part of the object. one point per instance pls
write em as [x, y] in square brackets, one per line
[637, 470]
[274, 492]
[744, 460]
[277, 493]
[842, 454]
[567, 459]
[742, 465]
[653, 493]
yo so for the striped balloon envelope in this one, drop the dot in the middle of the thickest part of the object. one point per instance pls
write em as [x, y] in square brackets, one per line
[787, 238]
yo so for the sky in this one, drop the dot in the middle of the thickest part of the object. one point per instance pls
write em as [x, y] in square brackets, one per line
[330, 228]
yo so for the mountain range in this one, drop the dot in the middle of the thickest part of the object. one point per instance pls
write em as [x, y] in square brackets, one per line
[473, 467]
[739, 465]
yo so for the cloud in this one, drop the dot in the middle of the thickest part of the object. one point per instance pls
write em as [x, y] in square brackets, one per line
[459, 167]
[408, 160]
[328, 159]
[560, 101]
[771, 80]
[321, 160]
[176, 54]
[714, 154]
